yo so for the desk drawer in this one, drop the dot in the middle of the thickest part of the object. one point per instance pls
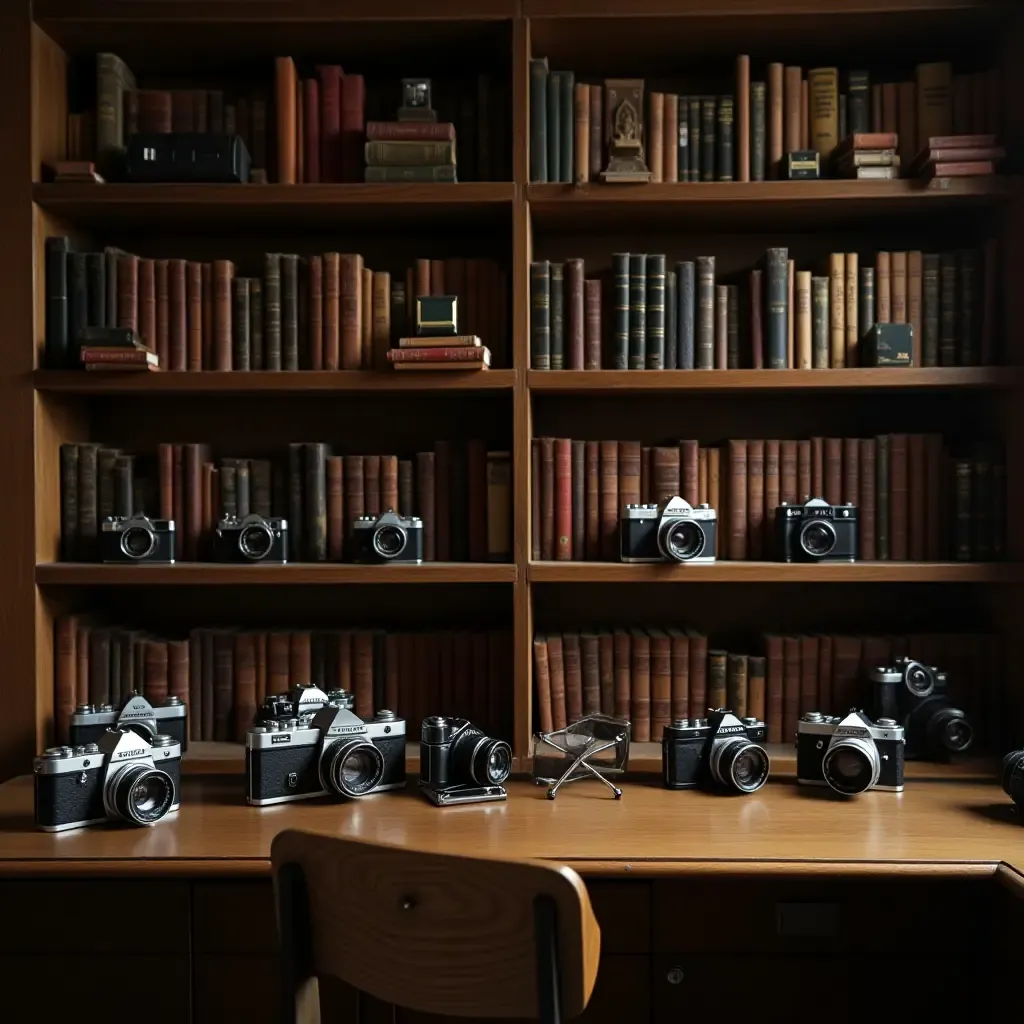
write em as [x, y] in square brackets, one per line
[623, 910]
[234, 917]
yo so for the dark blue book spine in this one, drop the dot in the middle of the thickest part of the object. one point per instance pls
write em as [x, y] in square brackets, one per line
[540, 315]
[671, 321]
[683, 129]
[655, 314]
[685, 288]
[777, 301]
[56, 350]
[554, 126]
[637, 310]
[620, 311]
[557, 316]
[539, 119]
[566, 124]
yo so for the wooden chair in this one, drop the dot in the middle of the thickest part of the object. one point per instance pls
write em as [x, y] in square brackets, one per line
[437, 933]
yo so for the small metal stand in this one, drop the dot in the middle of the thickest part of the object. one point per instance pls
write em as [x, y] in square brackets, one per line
[578, 747]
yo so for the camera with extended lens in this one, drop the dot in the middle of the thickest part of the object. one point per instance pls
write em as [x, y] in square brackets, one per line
[1012, 776]
[851, 754]
[673, 532]
[816, 532]
[169, 718]
[915, 696]
[332, 752]
[721, 753]
[252, 538]
[459, 764]
[300, 702]
[388, 537]
[136, 539]
[122, 777]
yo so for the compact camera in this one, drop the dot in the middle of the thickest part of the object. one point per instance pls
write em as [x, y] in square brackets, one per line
[674, 532]
[251, 539]
[388, 538]
[332, 752]
[851, 754]
[459, 764]
[299, 702]
[122, 777]
[915, 696]
[816, 532]
[91, 721]
[136, 539]
[720, 752]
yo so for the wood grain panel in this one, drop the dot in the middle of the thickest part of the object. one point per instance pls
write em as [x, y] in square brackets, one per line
[233, 918]
[623, 910]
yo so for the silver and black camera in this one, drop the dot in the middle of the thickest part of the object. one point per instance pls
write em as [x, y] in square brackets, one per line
[136, 539]
[251, 539]
[459, 764]
[851, 754]
[299, 702]
[122, 777]
[673, 532]
[91, 721]
[816, 532]
[333, 752]
[720, 752]
[388, 537]
[915, 696]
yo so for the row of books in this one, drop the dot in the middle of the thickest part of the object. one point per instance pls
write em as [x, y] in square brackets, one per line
[656, 676]
[319, 312]
[916, 502]
[222, 675]
[775, 316]
[744, 134]
[461, 491]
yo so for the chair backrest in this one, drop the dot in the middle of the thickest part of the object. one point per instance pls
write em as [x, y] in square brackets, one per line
[432, 932]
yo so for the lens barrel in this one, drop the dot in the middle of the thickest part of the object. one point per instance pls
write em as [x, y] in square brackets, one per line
[949, 732]
[818, 537]
[142, 795]
[356, 768]
[739, 765]
[137, 542]
[389, 541]
[851, 766]
[255, 542]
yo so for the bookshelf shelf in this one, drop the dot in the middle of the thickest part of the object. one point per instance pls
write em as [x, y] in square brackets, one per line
[722, 9]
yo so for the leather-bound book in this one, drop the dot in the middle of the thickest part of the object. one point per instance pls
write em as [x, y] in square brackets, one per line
[803, 470]
[573, 669]
[967, 342]
[542, 677]
[646, 476]
[898, 286]
[579, 508]
[743, 102]
[737, 500]
[239, 325]
[640, 686]
[315, 500]
[88, 503]
[331, 311]
[837, 309]
[547, 498]
[777, 306]
[193, 310]
[693, 137]
[637, 311]
[808, 674]
[947, 309]
[610, 510]
[362, 669]
[820, 337]
[846, 675]
[803, 321]
[99, 666]
[69, 501]
[476, 493]
[716, 495]
[563, 499]
[702, 475]
[756, 669]
[405, 487]
[156, 685]
[425, 507]
[656, 135]
[670, 136]
[817, 467]
[833, 470]
[933, 497]
[592, 325]
[724, 128]
[772, 494]
[351, 310]
[313, 354]
[296, 498]
[558, 361]
[334, 472]
[177, 304]
[191, 530]
[311, 130]
[606, 668]
[756, 293]
[590, 662]
[883, 288]
[687, 475]
[353, 121]
[78, 295]
[789, 479]
[755, 499]
[851, 471]
[223, 273]
[776, 118]
[245, 684]
[882, 447]
[854, 329]
[278, 662]
[623, 668]
[290, 299]
[128, 291]
[661, 683]
[654, 345]
[792, 120]
[708, 138]
[679, 653]
[271, 310]
[65, 635]
[866, 512]
[736, 684]
[592, 498]
[915, 302]
[898, 497]
[790, 313]
[721, 327]
[917, 511]
[286, 108]
[596, 131]
[575, 357]
[536, 514]
[717, 675]
[556, 669]
[671, 321]
[581, 133]
[685, 315]
[791, 664]
[666, 473]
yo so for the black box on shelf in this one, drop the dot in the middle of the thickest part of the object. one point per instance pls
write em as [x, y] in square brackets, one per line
[187, 157]
[888, 345]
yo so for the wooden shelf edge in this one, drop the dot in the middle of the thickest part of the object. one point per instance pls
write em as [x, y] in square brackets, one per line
[733, 8]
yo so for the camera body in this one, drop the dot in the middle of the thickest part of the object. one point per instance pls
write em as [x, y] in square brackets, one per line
[1012, 776]
[816, 532]
[720, 752]
[914, 695]
[459, 764]
[122, 777]
[332, 752]
[138, 538]
[251, 539]
[91, 721]
[851, 754]
[388, 537]
[673, 532]
[300, 702]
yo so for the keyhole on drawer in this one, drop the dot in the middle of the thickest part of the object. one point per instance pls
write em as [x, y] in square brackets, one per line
[675, 976]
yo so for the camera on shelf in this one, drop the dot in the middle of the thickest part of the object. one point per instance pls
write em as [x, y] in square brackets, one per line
[252, 538]
[170, 718]
[720, 752]
[851, 754]
[1012, 776]
[332, 752]
[122, 777]
[915, 696]
[388, 538]
[816, 532]
[673, 532]
[136, 539]
[459, 764]
[299, 702]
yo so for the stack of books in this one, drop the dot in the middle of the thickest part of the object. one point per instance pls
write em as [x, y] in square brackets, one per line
[958, 156]
[115, 348]
[868, 156]
[437, 344]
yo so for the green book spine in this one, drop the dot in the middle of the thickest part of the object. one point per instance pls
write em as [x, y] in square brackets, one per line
[777, 303]
[539, 119]
[540, 315]
[439, 173]
[655, 313]
[620, 311]
[882, 498]
[757, 130]
[637, 310]
[557, 316]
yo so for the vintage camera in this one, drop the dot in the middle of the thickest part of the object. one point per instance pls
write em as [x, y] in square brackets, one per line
[388, 538]
[91, 721]
[915, 696]
[459, 764]
[332, 752]
[136, 539]
[1012, 775]
[251, 539]
[299, 702]
[851, 754]
[122, 777]
[720, 752]
[674, 532]
[816, 532]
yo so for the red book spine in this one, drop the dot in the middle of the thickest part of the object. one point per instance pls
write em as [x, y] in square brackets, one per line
[866, 510]
[609, 466]
[898, 483]
[223, 272]
[772, 484]
[128, 291]
[547, 498]
[933, 503]
[698, 674]
[755, 498]
[556, 670]
[790, 687]
[665, 472]
[833, 470]
[851, 471]
[592, 333]
[788, 476]
[331, 270]
[689, 471]
[774, 719]
[574, 318]
[640, 690]
[535, 500]
[592, 497]
[803, 470]
[330, 122]
[817, 467]
[563, 499]
[573, 676]
[737, 500]
[917, 527]
[351, 295]
[311, 129]
[147, 304]
[194, 316]
[353, 116]
[335, 507]
[178, 306]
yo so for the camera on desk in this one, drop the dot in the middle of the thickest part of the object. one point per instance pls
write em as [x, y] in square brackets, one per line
[914, 695]
[673, 532]
[388, 538]
[122, 777]
[459, 764]
[720, 752]
[333, 752]
[816, 532]
[137, 539]
[169, 718]
[851, 754]
[251, 538]
[300, 702]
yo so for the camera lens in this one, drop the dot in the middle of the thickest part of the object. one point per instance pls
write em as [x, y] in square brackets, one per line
[1013, 776]
[682, 540]
[389, 541]
[492, 762]
[949, 732]
[851, 766]
[142, 795]
[254, 542]
[739, 764]
[818, 538]
[356, 768]
[137, 541]
[919, 679]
